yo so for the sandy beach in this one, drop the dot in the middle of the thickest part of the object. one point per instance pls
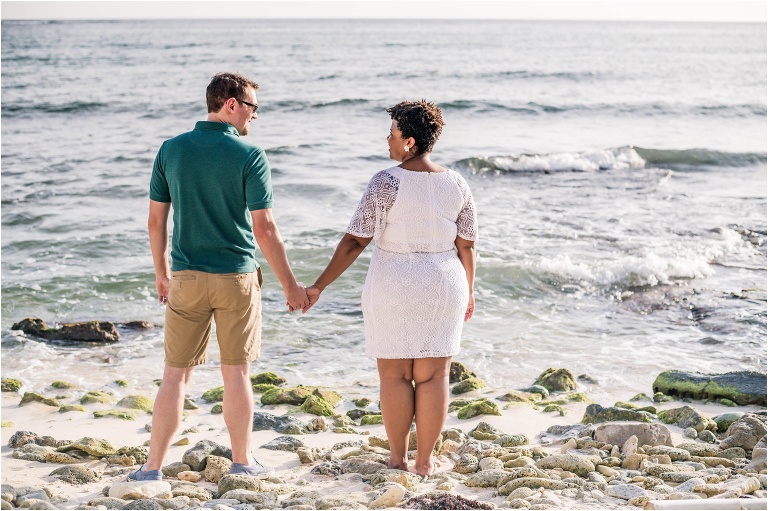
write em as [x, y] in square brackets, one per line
[294, 479]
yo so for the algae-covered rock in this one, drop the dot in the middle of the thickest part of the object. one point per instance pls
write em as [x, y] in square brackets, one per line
[468, 385]
[632, 406]
[596, 413]
[34, 397]
[317, 406]
[292, 396]
[640, 397]
[94, 446]
[687, 417]
[75, 474]
[368, 420]
[458, 404]
[458, 372]
[267, 378]
[555, 408]
[332, 397]
[485, 431]
[61, 384]
[742, 387]
[124, 414]
[217, 409]
[478, 407]
[11, 385]
[516, 396]
[72, 408]
[97, 396]
[121, 383]
[86, 331]
[538, 389]
[556, 380]
[361, 402]
[6, 424]
[214, 395]
[660, 397]
[137, 403]
[261, 388]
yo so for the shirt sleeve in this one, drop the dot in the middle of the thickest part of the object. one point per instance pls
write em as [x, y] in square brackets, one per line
[258, 182]
[370, 217]
[467, 220]
[158, 185]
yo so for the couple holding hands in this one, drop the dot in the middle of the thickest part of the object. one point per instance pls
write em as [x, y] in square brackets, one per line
[417, 294]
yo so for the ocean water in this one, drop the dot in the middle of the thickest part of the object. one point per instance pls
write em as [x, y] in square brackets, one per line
[619, 171]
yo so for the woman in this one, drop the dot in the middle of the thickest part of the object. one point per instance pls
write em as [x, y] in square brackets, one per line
[419, 287]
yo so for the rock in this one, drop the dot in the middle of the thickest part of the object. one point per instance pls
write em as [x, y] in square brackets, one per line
[390, 475]
[538, 389]
[290, 426]
[458, 372]
[533, 483]
[308, 455]
[332, 397]
[631, 406]
[189, 475]
[724, 420]
[360, 466]
[75, 474]
[317, 406]
[21, 438]
[97, 396]
[357, 414]
[742, 387]
[515, 396]
[596, 413]
[94, 446]
[511, 440]
[362, 402]
[579, 465]
[124, 414]
[11, 385]
[687, 417]
[196, 457]
[630, 445]
[263, 421]
[267, 378]
[87, 331]
[674, 454]
[108, 502]
[625, 491]
[485, 478]
[331, 469]
[758, 463]
[192, 491]
[468, 385]
[34, 397]
[61, 458]
[317, 424]
[133, 490]
[657, 470]
[369, 420]
[143, 504]
[478, 407]
[389, 498]
[139, 453]
[214, 395]
[32, 452]
[284, 443]
[659, 397]
[556, 380]
[707, 436]
[61, 384]
[72, 408]
[259, 500]
[555, 408]
[733, 453]
[484, 431]
[293, 396]
[173, 469]
[466, 464]
[490, 464]
[745, 432]
[137, 403]
[697, 449]
[690, 433]
[231, 482]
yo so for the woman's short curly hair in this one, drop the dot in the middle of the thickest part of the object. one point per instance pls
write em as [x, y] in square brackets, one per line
[224, 86]
[422, 120]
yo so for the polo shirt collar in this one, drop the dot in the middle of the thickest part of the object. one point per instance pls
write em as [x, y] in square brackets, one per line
[216, 126]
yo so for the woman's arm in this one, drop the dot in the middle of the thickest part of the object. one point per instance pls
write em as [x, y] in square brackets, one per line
[466, 251]
[346, 252]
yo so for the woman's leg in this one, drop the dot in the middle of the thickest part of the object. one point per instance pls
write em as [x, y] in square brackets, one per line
[431, 378]
[397, 398]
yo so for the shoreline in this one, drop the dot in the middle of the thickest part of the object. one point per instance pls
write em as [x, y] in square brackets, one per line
[291, 475]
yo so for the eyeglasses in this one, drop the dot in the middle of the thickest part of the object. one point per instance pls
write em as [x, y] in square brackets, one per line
[253, 107]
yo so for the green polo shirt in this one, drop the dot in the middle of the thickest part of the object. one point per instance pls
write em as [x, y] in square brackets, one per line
[213, 178]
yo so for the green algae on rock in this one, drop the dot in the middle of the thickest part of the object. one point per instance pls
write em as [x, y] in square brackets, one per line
[137, 403]
[516, 396]
[741, 387]
[213, 395]
[631, 406]
[468, 385]
[368, 420]
[61, 384]
[7, 424]
[478, 407]
[11, 385]
[217, 409]
[34, 397]
[596, 413]
[121, 383]
[316, 405]
[268, 378]
[97, 396]
[555, 408]
[94, 446]
[125, 414]
[556, 380]
[361, 402]
[72, 408]
[687, 417]
[458, 372]
[332, 397]
[260, 388]
[291, 396]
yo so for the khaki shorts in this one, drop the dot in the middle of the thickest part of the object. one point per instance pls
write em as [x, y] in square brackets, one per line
[195, 299]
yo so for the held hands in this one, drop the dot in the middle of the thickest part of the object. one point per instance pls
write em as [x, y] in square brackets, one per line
[296, 298]
[313, 294]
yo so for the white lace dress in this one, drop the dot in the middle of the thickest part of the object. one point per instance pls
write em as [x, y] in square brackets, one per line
[416, 291]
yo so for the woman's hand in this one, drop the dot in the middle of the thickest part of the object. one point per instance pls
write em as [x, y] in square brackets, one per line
[313, 294]
[470, 307]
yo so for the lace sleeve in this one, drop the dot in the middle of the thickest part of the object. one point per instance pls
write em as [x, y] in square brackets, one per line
[370, 218]
[467, 220]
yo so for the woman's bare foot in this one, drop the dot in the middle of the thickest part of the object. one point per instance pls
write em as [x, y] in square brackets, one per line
[402, 465]
[426, 469]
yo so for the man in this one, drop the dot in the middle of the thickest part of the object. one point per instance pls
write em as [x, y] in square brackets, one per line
[220, 188]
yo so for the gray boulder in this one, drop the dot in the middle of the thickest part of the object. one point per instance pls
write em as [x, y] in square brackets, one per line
[647, 434]
[745, 432]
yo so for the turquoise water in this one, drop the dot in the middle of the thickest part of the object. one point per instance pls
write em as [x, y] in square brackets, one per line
[619, 171]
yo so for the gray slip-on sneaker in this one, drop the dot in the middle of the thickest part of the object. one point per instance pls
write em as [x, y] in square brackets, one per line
[145, 475]
[254, 470]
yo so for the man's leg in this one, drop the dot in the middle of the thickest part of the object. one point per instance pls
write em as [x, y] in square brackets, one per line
[430, 376]
[397, 398]
[166, 415]
[238, 410]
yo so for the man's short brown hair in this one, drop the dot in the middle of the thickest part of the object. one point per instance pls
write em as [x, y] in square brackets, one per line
[224, 86]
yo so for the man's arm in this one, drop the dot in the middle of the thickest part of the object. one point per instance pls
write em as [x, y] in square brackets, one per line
[271, 244]
[157, 224]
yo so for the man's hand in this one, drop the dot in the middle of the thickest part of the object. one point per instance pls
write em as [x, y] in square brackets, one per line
[296, 297]
[313, 294]
[162, 284]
